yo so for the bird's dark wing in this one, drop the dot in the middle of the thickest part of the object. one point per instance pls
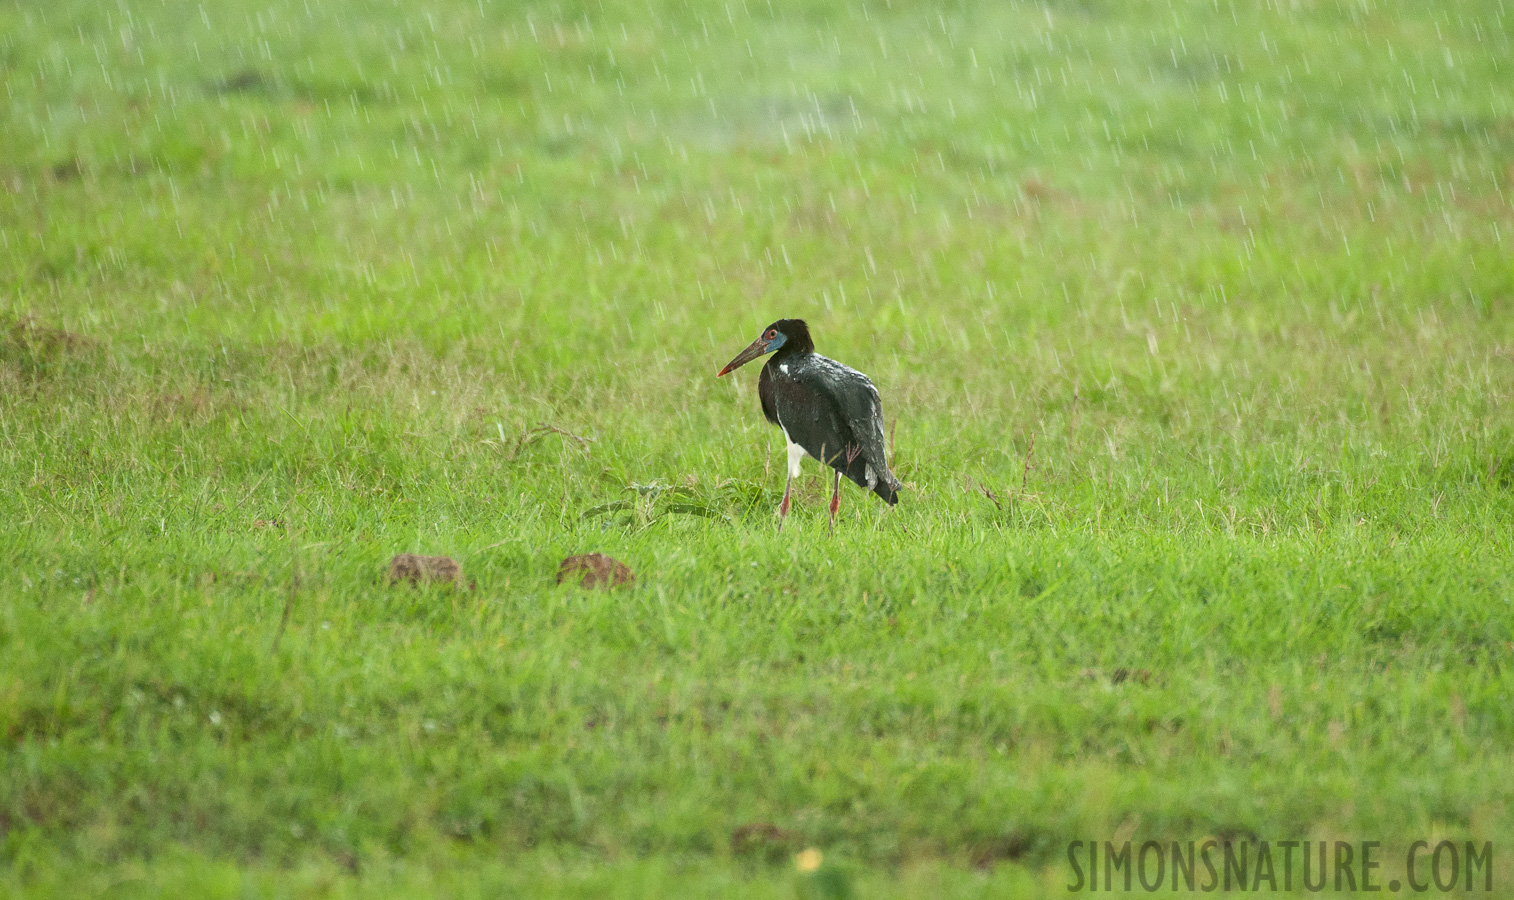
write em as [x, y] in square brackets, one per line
[864, 411]
[765, 390]
[808, 414]
[834, 412]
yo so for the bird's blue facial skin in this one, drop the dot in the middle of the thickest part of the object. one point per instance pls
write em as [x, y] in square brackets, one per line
[776, 342]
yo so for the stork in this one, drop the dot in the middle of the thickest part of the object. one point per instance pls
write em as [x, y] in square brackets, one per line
[827, 411]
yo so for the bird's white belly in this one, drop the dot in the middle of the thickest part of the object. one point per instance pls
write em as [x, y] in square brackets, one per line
[796, 453]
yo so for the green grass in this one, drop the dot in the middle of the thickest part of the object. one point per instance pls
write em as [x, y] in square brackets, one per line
[1194, 321]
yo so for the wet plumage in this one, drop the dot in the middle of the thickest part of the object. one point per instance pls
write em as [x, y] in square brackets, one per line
[827, 411]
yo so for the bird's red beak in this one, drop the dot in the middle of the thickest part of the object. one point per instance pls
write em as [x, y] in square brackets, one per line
[756, 349]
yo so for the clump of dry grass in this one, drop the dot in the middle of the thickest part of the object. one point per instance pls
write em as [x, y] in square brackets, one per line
[27, 334]
[595, 570]
[419, 570]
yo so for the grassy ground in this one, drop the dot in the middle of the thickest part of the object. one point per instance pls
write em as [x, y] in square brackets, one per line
[1195, 322]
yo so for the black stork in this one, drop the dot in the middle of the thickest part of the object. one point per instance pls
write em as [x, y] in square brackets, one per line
[827, 412]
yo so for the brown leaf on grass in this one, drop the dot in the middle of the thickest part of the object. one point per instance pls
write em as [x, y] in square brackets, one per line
[1013, 846]
[1120, 675]
[418, 570]
[761, 838]
[595, 570]
[1140, 676]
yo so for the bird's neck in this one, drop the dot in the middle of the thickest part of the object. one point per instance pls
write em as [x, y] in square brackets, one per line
[792, 349]
[786, 355]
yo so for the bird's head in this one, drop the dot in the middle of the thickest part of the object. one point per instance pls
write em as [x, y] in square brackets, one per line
[784, 333]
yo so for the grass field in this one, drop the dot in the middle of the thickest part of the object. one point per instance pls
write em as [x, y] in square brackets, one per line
[1193, 321]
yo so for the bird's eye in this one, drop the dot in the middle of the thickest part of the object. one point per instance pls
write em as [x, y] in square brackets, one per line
[772, 333]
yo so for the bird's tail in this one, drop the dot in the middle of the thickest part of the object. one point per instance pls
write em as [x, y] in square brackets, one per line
[864, 475]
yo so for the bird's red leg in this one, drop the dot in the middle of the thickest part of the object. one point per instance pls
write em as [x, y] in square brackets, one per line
[835, 499]
[783, 508]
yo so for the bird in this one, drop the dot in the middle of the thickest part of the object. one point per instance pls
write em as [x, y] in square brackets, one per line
[827, 411]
